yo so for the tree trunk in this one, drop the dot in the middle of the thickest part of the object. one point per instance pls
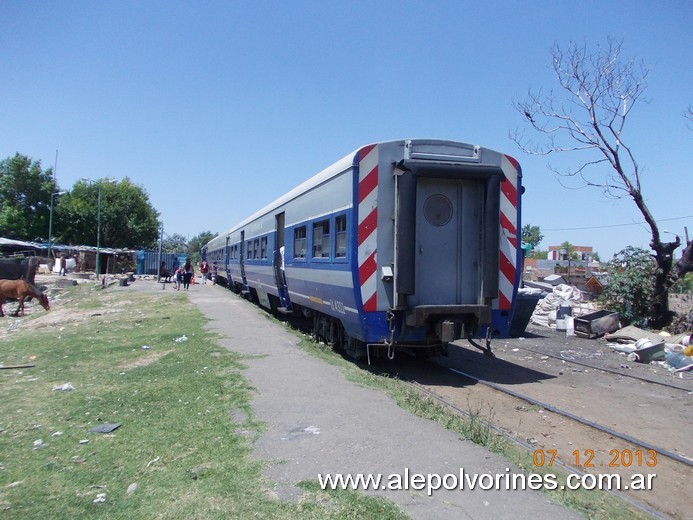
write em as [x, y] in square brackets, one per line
[664, 257]
[685, 264]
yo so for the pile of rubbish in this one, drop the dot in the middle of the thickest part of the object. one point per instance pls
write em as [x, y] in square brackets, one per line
[564, 310]
[556, 307]
[650, 347]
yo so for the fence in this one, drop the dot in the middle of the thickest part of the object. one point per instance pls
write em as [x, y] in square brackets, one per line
[148, 262]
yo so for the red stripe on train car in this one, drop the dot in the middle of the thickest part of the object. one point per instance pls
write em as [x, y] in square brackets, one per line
[368, 184]
[513, 161]
[510, 191]
[508, 270]
[503, 302]
[366, 150]
[371, 305]
[368, 225]
[367, 268]
[508, 226]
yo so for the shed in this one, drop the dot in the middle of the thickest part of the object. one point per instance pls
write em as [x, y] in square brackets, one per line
[596, 284]
[554, 279]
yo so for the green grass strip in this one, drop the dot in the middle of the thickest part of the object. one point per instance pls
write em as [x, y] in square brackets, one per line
[184, 447]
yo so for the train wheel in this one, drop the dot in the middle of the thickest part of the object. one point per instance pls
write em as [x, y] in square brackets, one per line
[355, 349]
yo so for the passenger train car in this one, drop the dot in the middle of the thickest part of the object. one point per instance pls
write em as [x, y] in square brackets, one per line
[409, 243]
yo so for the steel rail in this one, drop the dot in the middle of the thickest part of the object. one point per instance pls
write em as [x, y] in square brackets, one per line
[610, 370]
[566, 467]
[577, 418]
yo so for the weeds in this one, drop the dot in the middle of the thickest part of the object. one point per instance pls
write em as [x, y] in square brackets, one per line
[183, 449]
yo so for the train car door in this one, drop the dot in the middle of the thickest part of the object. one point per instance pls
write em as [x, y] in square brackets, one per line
[241, 259]
[278, 263]
[448, 241]
[227, 257]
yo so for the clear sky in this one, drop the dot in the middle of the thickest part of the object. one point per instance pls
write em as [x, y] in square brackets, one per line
[216, 108]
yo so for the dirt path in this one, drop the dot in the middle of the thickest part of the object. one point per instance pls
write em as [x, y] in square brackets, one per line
[654, 413]
[550, 368]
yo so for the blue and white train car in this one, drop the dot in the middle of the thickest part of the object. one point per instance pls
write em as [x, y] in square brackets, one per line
[408, 243]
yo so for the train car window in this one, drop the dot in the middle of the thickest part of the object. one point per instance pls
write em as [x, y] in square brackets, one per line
[340, 224]
[300, 242]
[321, 239]
[263, 247]
[249, 250]
[256, 248]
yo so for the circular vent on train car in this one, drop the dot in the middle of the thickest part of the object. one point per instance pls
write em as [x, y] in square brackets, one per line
[437, 210]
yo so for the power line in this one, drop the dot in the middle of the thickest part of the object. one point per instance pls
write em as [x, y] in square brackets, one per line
[617, 225]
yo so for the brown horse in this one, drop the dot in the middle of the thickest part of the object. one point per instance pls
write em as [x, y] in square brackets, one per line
[20, 290]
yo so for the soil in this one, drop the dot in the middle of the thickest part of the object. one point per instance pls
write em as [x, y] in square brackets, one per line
[581, 376]
[587, 379]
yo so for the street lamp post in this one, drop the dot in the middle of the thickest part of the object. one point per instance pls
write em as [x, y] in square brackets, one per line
[50, 223]
[98, 221]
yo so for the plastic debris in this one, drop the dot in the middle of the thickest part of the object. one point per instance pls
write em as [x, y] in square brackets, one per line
[649, 351]
[146, 347]
[678, 360]
[67, 387]
[181, 339]
[100, 498]
[106, 427]
[627, 349]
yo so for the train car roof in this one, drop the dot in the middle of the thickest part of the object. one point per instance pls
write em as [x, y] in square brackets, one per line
[331, 171]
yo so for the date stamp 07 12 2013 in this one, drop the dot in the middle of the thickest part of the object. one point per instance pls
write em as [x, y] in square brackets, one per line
[589, 459]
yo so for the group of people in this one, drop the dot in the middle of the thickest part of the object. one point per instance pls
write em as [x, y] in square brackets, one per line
[185, 276]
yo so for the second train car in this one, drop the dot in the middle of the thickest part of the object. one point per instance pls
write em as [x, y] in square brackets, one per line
[410, 243]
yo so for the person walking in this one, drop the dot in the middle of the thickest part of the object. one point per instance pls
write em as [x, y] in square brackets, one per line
[187, 274]
[204, 269]
[215, 272]
[177, 279]
[163, 272]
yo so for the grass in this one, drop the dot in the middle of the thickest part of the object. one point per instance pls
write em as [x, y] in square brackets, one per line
[476, 427]
[184, 447]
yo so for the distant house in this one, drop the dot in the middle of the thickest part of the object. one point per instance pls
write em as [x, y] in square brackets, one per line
[9, 247]
[596, 283]
[559, 253]
[554, 279]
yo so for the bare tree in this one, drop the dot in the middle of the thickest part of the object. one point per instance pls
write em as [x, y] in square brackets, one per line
[599, 91]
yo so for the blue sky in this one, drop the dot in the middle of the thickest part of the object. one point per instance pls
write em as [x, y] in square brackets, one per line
[217, 108]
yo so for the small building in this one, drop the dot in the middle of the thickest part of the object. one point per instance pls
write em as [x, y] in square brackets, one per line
[554, 280]
[596, 283]
[10, 247]
[559, 253]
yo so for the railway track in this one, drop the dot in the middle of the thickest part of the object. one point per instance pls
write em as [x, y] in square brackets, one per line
[542, 426]
[617, 372]
[554, 409]
[525, 445]
[618, 409]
